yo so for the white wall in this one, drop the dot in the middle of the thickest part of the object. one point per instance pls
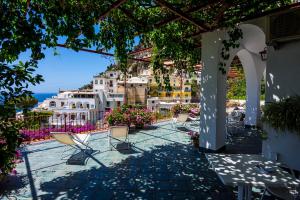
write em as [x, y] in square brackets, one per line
[283, 71]
[282, 80]
[285, 144]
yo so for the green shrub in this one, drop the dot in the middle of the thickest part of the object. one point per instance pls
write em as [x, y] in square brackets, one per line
[283, 115]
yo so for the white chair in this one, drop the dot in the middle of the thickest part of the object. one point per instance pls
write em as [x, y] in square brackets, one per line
[181, 119]
[286, 193]
[119, 133]
[76, 141]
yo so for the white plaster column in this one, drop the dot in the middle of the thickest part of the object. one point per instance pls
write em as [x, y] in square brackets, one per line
[253, 67]
[213, 93]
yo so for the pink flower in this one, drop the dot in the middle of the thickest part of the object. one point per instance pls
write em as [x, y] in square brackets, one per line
[14, 172]
[2, 141]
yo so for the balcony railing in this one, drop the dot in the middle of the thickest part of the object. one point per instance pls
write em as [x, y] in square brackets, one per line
[37, 128]
[115, 95]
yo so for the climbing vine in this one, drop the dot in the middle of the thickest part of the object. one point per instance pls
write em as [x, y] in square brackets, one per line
[234, 37]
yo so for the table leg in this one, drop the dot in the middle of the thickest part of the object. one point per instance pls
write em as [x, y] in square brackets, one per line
[249, 192]
[241, 190]
[244, 192]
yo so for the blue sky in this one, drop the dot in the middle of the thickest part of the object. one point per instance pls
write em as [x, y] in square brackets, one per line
[68, 70]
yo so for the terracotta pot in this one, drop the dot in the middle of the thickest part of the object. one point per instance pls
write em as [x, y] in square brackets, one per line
[196, 143]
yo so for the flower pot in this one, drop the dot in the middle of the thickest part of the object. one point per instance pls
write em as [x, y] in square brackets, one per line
[139, 126]
[196, 142]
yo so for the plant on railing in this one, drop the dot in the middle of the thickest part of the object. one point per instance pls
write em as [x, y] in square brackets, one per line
[44, 133]
[185, 108]
[117, 117]
[283, 115]
[130, 115]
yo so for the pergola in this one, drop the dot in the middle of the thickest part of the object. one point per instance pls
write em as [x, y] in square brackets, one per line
[208, 34]
[187, 13]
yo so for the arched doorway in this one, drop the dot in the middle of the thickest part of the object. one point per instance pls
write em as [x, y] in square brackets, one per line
[213, 82]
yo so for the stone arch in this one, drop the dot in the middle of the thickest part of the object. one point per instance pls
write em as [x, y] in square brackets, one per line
[213, 82]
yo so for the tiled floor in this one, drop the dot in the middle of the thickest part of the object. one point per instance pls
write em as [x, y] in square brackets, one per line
[162, 164]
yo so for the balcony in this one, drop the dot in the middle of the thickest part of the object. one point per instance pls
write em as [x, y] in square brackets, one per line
[159, 162]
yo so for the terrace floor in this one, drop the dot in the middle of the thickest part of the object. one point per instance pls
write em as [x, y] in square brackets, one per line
[162, 164]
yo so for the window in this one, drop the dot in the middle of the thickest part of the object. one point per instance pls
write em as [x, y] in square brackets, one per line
[83, 117]
[187, 101]
[111, 75]
[92, 106]
[87, 106]
[107, 104]
[96, 82]
[140, 85]
[101, 82]
[73, 116]
[52, 104]
[73, 105]
[110, 83]
[62, 104]
[153, 102]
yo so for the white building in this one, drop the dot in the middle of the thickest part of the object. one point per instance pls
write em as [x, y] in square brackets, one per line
[106, 86]
[73, 107]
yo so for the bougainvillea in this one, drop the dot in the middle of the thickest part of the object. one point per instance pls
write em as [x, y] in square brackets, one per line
[130, 115]
[44, 133]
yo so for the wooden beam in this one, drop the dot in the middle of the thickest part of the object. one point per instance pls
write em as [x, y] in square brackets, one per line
[113, 6]
[140, 50]
[191, 10]
[181, 14]
[130, 16]
[102, 53]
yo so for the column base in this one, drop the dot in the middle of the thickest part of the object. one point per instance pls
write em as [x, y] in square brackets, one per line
[204, 150]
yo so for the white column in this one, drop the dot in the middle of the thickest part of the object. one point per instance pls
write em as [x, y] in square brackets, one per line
[213, 93]
[253, 67]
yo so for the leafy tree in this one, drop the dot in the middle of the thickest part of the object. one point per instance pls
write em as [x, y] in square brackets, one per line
[195, 89]
[26, 103]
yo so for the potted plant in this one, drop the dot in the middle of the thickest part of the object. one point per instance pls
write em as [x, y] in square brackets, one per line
[281, 124]
[194, 138]
[180, 108]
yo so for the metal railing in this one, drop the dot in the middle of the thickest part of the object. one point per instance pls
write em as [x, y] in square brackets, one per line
[39, 127]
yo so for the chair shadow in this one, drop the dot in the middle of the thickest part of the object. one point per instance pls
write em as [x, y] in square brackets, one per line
[81, 157]
[125, 148]
[184, 129]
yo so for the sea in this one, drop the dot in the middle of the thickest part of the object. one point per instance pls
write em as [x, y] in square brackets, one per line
[42, 96]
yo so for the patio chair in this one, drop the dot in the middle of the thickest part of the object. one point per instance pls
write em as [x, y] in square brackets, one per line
[286, 193]
[181, 119]
[119, 133]
[76, 141]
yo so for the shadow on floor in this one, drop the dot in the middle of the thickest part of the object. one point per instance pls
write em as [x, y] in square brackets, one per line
[166, 172]
[246, 141]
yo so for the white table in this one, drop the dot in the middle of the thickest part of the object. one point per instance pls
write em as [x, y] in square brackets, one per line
[240, 170]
